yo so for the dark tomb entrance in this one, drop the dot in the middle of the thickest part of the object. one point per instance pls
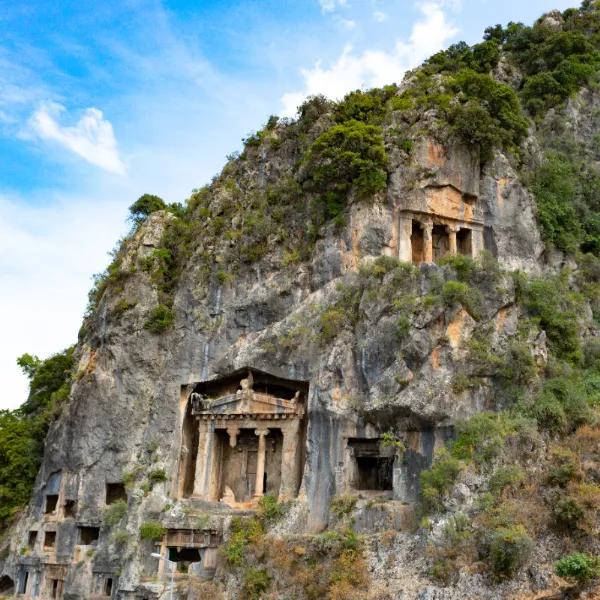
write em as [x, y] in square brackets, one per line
[416, 242]
[374, 465]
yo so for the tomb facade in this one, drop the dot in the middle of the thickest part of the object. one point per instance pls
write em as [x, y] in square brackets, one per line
[243, 437]
[442, 216]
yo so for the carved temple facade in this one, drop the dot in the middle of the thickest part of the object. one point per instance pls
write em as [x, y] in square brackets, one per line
[243, 437]
[442, 214]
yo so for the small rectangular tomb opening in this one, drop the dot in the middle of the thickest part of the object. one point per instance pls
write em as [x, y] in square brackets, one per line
[55, 588]
[49, 539]
[31, 539]
[70, 508]
[108, 586]
[441, 242]
[51, 503]
[115, 492]
[417, 242]
[464, 241]
[184, 557]
[88, 536]
[373, 468]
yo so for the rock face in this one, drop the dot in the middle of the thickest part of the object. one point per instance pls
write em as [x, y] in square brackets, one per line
[329, 376]
[129, 421]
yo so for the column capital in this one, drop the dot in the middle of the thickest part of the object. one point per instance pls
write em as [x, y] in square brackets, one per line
[233, 431]
[261, 432]
[452, 228]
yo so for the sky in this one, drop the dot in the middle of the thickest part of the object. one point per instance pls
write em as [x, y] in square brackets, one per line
[101, 102]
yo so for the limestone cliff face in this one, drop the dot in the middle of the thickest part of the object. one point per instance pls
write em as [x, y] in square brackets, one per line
[379, 343]
[125, 410]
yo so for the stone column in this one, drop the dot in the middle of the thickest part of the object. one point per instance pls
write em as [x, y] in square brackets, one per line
[404, 235]
[260, 462]
[205, 461]
[452, 231]
[428, 242]
[289, 460]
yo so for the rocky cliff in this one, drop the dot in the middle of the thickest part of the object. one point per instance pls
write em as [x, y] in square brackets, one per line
[384, 258]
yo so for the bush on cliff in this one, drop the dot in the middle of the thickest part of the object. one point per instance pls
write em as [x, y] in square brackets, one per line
[22, 431]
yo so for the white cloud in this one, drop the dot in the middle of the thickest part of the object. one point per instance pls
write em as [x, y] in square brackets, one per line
[91, 137]
[374, 68]
[379, 16]
[47, 256]
[331, 5]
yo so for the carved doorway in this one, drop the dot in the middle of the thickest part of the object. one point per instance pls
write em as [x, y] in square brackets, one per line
[416, 242]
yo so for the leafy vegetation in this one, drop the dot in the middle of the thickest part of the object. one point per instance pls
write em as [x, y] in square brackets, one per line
[22, 431]
[113, 513]
[578, 567]
[347, 157]
[152, 530]
[160, 318]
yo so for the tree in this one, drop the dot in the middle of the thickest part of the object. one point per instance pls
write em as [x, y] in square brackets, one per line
[144, 206]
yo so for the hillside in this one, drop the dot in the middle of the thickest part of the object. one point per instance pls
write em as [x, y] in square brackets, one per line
[364, 362]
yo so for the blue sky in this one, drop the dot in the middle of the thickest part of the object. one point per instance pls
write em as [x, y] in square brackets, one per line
[101, 102]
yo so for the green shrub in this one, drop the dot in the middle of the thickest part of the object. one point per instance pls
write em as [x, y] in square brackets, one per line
[152, 530]
[491, 116]
[550, 303]
[457, 292]
[123, 305]
[342, 506]
[464, 265]
[437, 481]
[482, 437]
[157, 476]
[567, 513]
[144, 206]
[509, 549]
[504, 477]
[562, 405]
[160, 318]
[578, 567]
[331, 322]
[368, 107]
[242, 532]
[256, 582]
[349, 156]
[269, 510]
[113, 513]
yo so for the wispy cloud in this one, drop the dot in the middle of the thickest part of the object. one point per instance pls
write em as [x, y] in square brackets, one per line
[331, 5]
[376, 67]
[379, 16]
[91, 138]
